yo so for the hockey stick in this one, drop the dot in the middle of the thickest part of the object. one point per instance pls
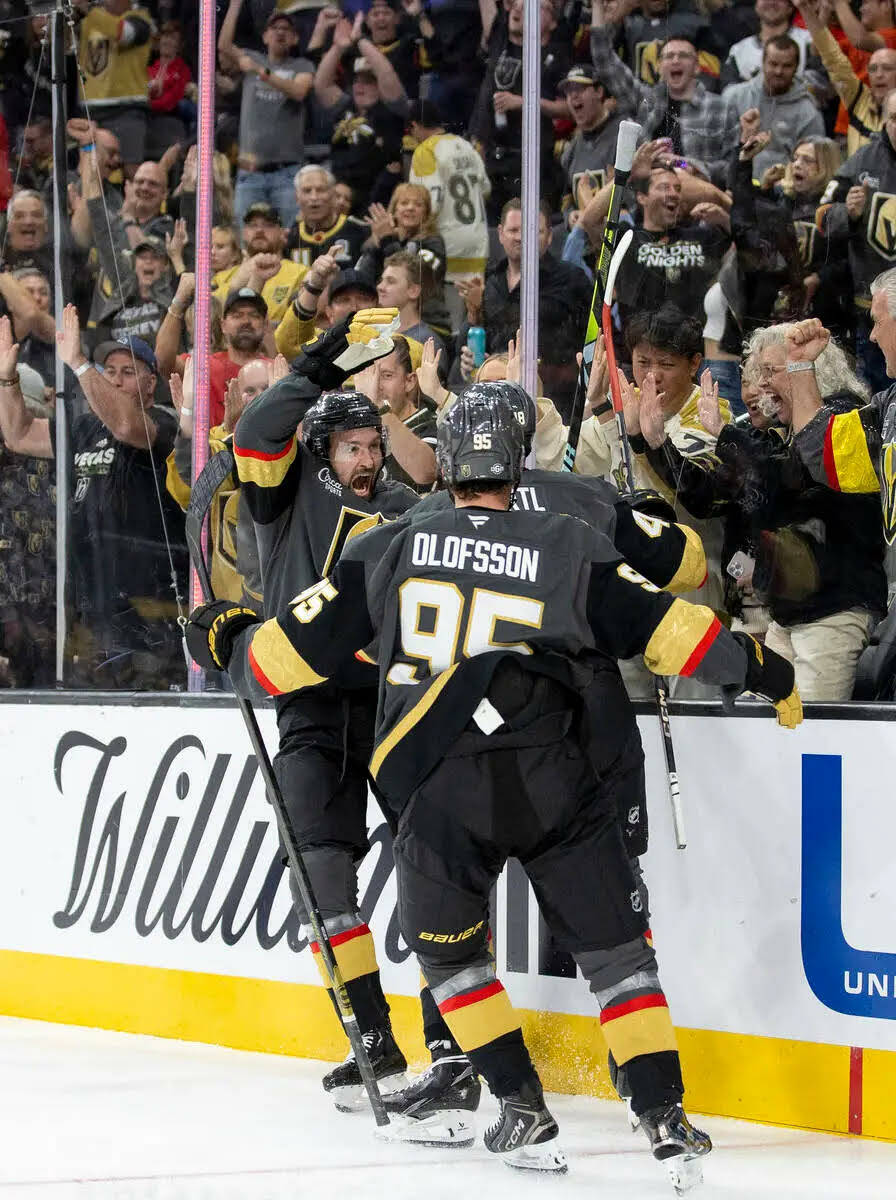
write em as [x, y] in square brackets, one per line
[626, 140]
[218, 468]
[659, 683]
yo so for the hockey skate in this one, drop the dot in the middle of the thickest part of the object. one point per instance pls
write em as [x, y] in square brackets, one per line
[525, 1133]
[344, 1082]
[677, 1145]
[435, 1109]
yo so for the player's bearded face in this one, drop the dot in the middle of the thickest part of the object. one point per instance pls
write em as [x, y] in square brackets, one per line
[356, 457]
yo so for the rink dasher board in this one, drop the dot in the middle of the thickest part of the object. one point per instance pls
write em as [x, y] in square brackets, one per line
[142, 890]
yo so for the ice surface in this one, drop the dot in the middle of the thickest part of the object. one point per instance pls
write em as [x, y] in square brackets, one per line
[87, 1113]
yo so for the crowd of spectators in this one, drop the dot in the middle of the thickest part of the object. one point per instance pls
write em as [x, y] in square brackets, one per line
[371, 155]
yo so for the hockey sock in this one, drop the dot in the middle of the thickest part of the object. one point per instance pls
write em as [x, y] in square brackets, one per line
[638, 1029]
[440, 1041]
[353, 949]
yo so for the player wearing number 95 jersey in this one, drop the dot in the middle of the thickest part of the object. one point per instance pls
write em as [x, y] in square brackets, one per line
[484, 622]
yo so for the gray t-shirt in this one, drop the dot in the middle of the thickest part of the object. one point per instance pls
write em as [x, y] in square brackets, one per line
[272, 127]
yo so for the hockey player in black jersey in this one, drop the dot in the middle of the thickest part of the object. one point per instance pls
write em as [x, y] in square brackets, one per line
[305, 495]
[485, 623]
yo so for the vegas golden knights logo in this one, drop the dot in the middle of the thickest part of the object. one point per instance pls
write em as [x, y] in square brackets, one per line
[805, 239]
[888, 490]
[97, 58]
[882, 224]
[647, 62]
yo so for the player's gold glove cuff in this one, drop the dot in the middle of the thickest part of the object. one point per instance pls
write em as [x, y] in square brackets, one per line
[370, 323]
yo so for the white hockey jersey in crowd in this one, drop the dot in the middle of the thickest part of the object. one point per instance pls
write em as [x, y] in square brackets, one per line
[454, 175]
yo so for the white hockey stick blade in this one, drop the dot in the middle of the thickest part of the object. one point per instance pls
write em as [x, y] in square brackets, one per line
[626, 143]
[615, 263]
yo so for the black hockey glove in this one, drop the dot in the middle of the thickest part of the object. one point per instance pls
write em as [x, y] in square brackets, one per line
[651, 504]
[211, 630]
[770, 676]
[353, 343]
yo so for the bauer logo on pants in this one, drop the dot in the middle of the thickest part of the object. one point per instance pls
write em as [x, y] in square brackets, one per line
[859, 983]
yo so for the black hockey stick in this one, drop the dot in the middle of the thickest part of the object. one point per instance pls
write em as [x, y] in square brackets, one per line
[626, 140]
[659, 683]
[218, 468]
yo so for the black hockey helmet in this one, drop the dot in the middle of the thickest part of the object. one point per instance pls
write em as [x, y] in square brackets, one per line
[480, 439]
[519, 400]
[335, 412]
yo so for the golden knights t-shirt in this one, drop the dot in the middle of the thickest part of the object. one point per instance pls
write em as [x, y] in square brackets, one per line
[117, 538]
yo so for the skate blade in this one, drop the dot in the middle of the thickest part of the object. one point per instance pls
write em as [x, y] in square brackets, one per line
[449, 1128]
[544, 1156]
[633, 1119]
[685, 1173]
[355, 1099]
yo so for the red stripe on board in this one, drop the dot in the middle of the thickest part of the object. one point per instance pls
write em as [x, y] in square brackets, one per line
[855, 1089]
[699, 651]
[467, 998]
[339, 939]
[613, 1011]
[269, 687]
[245, 452]
[830, 465]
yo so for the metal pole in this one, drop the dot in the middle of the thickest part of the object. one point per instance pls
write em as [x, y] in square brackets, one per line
[531, 191]
[56, 31]
[202, 309]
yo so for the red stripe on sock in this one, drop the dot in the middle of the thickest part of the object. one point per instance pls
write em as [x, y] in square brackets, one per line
[454, 1002]
[855, 1089]
[338, 939]
[699, 651]
[613, 1011]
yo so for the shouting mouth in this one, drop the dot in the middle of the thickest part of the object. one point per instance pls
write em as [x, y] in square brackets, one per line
[362, 483]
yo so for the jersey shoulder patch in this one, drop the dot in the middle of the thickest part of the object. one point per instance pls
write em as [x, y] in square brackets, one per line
[424, 160]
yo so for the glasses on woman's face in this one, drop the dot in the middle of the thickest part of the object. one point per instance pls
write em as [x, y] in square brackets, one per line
[808, 160]
[766, 373]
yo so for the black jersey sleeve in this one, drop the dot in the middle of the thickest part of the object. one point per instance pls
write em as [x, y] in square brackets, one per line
[319, 632]
[629, 615]
[668, 554]
[265, 445]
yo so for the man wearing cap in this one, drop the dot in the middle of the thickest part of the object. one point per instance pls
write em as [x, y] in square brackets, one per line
[272, 114]
[243, 326]
[368, 121]
[452, 171]
[327, 296]
[383, 22]
[125, 632]
[592, 148]
[264, 269]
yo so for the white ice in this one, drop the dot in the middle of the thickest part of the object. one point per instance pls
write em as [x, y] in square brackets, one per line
[87, 1113]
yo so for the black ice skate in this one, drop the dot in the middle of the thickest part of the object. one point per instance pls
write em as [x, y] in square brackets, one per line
[435, 1109]
[677, 1145]
[525, 1134]
[389, 1065]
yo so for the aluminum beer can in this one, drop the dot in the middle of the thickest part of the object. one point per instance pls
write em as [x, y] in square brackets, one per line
[476, 344]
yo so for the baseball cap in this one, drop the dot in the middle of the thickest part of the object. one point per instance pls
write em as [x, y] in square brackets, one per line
[362, 67]
[582, 74]
[148, 242]
[32, 385]
[277, 15]
[246, 295]
[135, 345]
[351, 279]
[262, 210]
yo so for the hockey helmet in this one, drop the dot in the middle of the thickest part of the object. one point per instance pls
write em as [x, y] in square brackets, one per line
[480, 439]
[335, 412]
[517, 397]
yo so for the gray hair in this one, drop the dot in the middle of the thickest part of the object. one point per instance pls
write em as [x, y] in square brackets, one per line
[313, 168]
[886, 282]
[26, 194]
[832, 370]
